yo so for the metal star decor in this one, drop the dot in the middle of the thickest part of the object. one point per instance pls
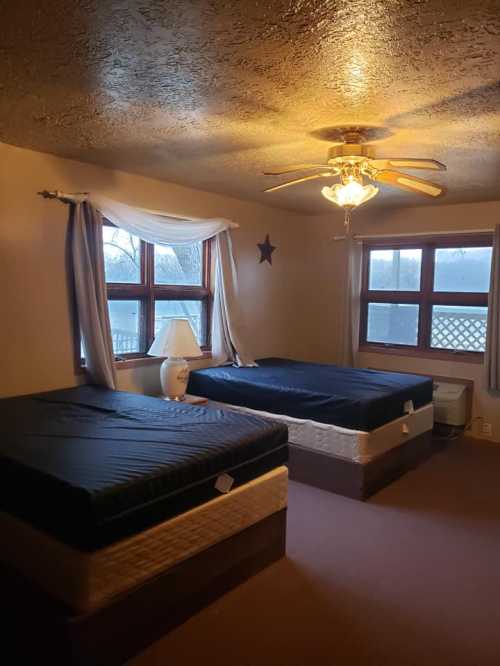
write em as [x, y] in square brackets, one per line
[266, 250]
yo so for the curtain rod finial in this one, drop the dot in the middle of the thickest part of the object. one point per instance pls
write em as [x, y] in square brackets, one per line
[63, 196]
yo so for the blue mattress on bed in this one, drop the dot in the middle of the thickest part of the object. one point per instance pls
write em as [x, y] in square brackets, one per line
[354, 398]
[92, 466]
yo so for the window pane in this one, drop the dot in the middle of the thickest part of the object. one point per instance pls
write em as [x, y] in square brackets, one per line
[191, 310]
[462, 269]
[125, 318]
[122, 256]
[393, 323]
[459, 327]
[179, 264]
[395, 270]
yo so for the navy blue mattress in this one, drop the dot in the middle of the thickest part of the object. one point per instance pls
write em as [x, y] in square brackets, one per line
[92, 466]
[354, 398]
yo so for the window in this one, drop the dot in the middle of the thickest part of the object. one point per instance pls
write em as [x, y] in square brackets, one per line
[149, 284]
[426, 297]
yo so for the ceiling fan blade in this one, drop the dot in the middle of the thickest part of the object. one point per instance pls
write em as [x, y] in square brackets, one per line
[410, 183]
[297, 167]
[407, 163]
[326, 174]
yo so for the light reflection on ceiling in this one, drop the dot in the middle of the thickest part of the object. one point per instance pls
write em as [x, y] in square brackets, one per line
[211, 94]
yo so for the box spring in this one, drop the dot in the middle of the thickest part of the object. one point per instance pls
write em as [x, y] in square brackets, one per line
[88, 580]
[353, 445]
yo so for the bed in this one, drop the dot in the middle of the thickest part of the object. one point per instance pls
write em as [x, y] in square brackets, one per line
[351, 430]
[139, 511]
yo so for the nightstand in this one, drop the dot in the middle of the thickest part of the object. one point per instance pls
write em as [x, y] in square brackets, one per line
[190, 399]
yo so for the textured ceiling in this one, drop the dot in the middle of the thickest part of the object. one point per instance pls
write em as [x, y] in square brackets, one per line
[210, 94]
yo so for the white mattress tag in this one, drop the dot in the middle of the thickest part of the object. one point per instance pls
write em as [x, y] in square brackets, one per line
[224, 483]
[405, 430]
[408, 407]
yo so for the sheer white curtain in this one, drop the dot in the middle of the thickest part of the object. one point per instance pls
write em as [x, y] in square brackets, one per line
[352, 300]
[492, 357]
[158, 227]
[228, 345]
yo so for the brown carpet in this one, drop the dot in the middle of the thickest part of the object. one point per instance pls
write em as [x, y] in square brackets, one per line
[410, 578]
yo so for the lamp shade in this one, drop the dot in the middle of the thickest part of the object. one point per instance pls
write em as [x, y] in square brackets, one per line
[176, 340]
[349, 195]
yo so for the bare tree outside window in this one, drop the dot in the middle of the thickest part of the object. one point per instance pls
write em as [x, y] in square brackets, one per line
[148, 285]
[122, 256]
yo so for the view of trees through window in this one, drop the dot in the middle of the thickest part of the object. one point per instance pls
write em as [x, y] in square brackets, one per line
[122, 256]
[173, 264]
[178, 264]
[429, 297]
[395, 269]
[465, 269]
[150, 284]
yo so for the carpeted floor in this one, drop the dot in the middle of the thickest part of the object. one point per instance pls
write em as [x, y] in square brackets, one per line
[410, 578]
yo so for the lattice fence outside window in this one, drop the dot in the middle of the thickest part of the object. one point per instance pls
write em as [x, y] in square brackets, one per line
[456, 330]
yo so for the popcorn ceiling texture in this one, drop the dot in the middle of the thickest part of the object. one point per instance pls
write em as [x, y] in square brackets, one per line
[209, 94]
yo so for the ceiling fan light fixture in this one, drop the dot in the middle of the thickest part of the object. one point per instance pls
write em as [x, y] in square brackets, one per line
[353, 161]
[349, 195]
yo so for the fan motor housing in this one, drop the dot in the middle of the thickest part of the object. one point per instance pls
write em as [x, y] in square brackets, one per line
[345, 151]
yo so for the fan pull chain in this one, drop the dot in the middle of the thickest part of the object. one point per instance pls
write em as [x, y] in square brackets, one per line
[347, 220]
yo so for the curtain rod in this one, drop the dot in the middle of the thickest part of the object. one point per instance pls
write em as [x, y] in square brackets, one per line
[73, 197]
[62, 196]
[417, 233]
[426, 233]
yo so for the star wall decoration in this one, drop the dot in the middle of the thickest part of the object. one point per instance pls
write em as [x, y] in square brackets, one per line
[266, 250]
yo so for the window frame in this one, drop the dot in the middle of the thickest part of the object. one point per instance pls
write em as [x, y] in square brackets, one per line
[425, 297]
[147, 292]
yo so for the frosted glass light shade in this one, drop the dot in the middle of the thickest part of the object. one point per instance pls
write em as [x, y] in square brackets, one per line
[175, 340]
[350, 195]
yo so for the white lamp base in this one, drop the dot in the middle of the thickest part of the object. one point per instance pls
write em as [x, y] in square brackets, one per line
[174, 375]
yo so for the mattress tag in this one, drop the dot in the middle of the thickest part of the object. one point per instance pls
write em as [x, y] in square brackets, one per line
[224, 483]
[405, 430]
[408, 407]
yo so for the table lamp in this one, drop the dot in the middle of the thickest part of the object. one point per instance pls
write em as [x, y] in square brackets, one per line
[175, 340]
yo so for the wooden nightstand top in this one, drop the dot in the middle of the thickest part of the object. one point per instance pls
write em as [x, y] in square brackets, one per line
[190, 399]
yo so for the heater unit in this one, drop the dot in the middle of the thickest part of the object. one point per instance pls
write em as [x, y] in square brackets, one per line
[450, 404]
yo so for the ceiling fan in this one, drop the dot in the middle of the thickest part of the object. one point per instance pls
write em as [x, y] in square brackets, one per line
[354, 160]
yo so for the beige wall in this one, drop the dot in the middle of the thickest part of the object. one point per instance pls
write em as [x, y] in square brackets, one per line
[36, 334]
[410, 220]
[293, 308]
